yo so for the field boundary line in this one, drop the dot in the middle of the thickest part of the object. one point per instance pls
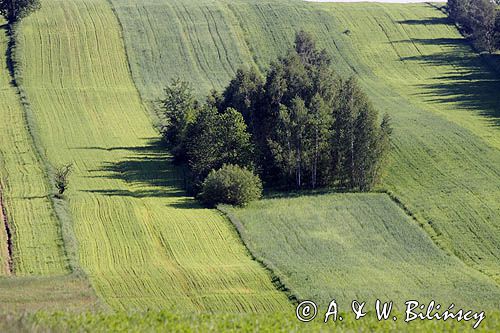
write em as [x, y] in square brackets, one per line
[149, 110]
[60, 210]
[8, 232]
[277, 279]
[434, 235]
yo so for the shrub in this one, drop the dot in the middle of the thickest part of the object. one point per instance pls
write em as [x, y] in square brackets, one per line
[61, 178]
[232, 185]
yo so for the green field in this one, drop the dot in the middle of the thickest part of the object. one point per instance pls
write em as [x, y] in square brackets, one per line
[357, 246]
[92, 69]
[445, 165]
[142, 242]
[38, 280]
[37, 243]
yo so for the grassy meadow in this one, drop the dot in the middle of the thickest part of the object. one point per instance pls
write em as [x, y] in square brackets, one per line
[142, 242]
[356, 247]
[165, 321]
[39, 278]
[37, 244]
[442, 97]
[22, 295]
[89, 72]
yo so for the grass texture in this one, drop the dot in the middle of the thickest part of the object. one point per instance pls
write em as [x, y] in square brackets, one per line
[445, 163]
[47, 293]
[141, 241]
[167, 322]
[357, 247]
[39, 279]
[37, 244]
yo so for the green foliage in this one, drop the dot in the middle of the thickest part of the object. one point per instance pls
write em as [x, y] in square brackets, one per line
[288, 149]
[358, 150]
[61, 177]
[243, 94]
[179, 107]
[479, 20]
[14, 10]
[165, 321]
[214, 139]
[232, 185]
[310, 128]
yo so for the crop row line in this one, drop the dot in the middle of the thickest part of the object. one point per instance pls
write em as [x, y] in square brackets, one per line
[59, 206]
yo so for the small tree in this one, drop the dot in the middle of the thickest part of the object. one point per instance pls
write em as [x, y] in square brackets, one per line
[61, 177]
[178, 107]
[14, 10]
[232, 185]
[289, 147]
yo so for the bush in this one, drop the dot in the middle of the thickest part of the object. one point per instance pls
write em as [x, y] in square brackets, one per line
[61, 178]
[232, 185]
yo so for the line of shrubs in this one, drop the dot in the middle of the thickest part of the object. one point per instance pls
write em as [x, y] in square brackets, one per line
[479, 20]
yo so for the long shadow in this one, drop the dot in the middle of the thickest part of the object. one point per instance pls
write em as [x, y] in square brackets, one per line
[427, 21]
[473, 84]
[149, 165]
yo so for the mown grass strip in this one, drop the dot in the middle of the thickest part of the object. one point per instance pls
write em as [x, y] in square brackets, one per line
[47, 293]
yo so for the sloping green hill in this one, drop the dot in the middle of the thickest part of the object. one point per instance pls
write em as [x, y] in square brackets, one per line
[357, 247]
[143, 243]
[37, 247]
[445, 164]
[38, 276]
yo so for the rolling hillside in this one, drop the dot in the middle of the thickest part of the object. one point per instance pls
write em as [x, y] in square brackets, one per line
[37, 245]
[142, 242]
[357, 246]
[38, 276]
[145, 245]
[445, 165]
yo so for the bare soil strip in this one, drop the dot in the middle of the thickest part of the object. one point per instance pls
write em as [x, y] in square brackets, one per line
[8, 232]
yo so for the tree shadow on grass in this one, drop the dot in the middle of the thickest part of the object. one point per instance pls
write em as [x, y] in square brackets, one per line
[427, 21]
[149, 166]
[473, 83]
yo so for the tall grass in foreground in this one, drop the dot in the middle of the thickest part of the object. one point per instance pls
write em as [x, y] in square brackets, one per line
[271, 322]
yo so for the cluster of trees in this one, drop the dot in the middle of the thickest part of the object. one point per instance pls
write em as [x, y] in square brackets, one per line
[301, 125]
[14, 10]
[479, 20]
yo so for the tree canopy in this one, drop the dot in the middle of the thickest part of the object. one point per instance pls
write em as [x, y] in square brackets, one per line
[14, 10]
[300, 126]
[479, 20]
